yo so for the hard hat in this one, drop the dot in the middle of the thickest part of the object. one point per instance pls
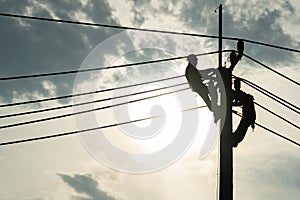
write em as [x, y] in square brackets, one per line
[192, 58]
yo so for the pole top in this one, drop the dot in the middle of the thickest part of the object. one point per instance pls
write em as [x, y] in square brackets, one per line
[219, 8]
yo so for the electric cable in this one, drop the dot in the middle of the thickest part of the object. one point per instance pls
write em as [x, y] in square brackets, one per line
[87, 102]
[119, 124]
[144, 30]
[87, 93]
[85, 111]
[272, 96]
[85, 130]
[278, 116]
[274, 71]
[271, 131]
[102, 68]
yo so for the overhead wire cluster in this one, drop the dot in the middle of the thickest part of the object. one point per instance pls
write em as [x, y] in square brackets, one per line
[265, 92]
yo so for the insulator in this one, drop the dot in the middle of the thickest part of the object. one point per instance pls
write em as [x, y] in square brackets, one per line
[232, 57]
[240, 46]
[237, 84]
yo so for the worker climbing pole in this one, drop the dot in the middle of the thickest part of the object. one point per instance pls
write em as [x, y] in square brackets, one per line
[207, 84]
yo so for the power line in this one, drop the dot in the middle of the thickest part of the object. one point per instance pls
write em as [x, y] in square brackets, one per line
[269, 68]
[144, 30]
[104, 25]
[272, 96]
[102, 68]
[280, 117]
[271, 131]
[123, 123]
[88, 102]
[85, 130]
[87, 93]
[263, 44]
[71, 133]
[85, 111]
[277, 134]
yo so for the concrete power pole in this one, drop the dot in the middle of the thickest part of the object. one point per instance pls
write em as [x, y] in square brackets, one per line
[226, 171]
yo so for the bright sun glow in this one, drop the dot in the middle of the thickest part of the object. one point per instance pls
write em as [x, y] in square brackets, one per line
[169, 108]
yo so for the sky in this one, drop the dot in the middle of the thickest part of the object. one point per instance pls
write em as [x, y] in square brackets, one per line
[265, 166]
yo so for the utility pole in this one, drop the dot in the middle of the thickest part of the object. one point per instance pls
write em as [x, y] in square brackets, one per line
[220, 35]
[228, 98]
[226, 167]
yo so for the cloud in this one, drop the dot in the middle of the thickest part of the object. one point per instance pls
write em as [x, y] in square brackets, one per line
[86, 185]
[143, 10]
[254, 20]
[272, 176]
[288, 6]
[138, 9]
[33, 47]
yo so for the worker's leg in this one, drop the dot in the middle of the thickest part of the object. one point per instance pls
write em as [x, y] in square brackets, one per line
[203, 93]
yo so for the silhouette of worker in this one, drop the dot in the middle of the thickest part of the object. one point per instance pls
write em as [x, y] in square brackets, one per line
[195, 79]
[248, 117]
